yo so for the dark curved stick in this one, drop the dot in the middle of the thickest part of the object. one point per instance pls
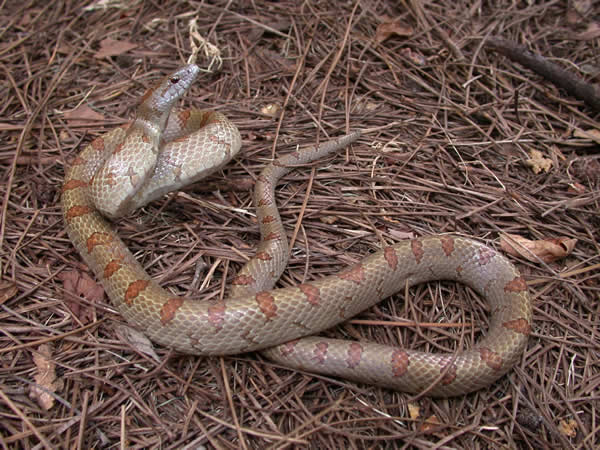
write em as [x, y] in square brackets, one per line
[571, 83]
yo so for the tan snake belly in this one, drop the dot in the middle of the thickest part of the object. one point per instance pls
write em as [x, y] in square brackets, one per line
[164, 150]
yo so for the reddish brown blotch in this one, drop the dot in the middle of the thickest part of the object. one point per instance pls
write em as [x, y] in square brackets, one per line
[273, 236]
[355, 351]
[118, 148]
[98, 144]
[356, 274]
[417, 249]
[320, 352]
[77, 211]
[312, 293]
[169, 308]
[110, 179]
[289, 347]
[243, 280]
[486, 254]
[400, 362]
[112, 267]
[390, 255]
[492, 359]
[73, 184]
[147, 94]
[263, 256]
[517, 285]
[98, 238]
[449, 372]
[521, 326]
[78, 161]
[447, 245]
[216, 315]
[184, 116]
[266, 303]
[134, 289]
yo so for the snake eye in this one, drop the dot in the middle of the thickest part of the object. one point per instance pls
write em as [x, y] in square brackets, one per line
[174, 80]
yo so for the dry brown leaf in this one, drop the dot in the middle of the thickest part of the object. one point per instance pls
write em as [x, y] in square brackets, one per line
[414, 411]
[8, 289]
[593, 134]
[137, 340]
[589, 69]
[271, 110]
[112, 47]
[80, 284]
[548, 250]
[106, 4]
[401, 235]
[537, 162]
[568, 427]
[592, 32]
[416, 58]
[45, 378]
[371, 106]
[395, 27]
[572, 17]
[587, 168]
[26, 18]
[82, 114]
[430, 423]
[576, 188]
[583, 7]
[64, 48]
[329, 220]
[64, 136]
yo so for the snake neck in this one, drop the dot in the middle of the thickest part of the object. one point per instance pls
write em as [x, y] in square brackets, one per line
[149, 128]
[150, 119]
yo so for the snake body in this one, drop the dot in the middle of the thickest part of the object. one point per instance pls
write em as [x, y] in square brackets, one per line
[163, 150]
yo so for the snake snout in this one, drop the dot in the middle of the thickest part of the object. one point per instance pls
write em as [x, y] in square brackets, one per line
[158, 101]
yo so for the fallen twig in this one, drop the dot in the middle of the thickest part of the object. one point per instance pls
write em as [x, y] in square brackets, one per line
[570, 82]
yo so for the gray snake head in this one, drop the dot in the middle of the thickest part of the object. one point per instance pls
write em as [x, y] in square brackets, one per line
[157, 102]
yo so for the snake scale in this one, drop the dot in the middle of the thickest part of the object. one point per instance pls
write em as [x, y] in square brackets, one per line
[163, 150]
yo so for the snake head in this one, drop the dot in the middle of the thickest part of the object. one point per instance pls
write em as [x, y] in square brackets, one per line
[158, 100]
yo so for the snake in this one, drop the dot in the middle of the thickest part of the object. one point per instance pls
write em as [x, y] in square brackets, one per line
[166, 148]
